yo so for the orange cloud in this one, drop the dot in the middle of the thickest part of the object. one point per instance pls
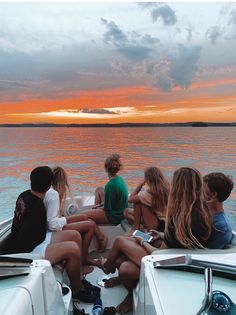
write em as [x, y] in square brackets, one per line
[202, 101]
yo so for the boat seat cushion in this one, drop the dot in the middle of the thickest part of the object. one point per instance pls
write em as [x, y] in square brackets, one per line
[58, 269]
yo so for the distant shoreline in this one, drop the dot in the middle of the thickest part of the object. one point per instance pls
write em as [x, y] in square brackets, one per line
[124, 125]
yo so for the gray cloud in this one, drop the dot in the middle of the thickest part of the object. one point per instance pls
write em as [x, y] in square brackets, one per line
[179, 68]
[101, 111]
[232, 19]
[114, 34]
[189, 33]
[184, 65]
[166, 13]
[133, 46]
[160, 10]
[213, 34]
[232, 23]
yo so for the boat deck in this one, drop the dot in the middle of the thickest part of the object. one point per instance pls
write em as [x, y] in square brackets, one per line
[109, 296]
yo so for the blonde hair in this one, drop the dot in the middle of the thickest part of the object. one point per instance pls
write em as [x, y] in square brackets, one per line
[61, 184]
[186, 198]
[113, 164]
[159, 187]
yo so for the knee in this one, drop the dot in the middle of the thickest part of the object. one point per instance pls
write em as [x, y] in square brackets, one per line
[126, 212]
[99, 190]
[76, 237]
[74, 250]
[119, 240]
[91, 225]
[125, 270]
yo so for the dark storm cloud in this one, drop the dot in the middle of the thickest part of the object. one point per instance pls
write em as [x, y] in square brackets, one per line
[160, 10]
[100, 111]
[133, 46]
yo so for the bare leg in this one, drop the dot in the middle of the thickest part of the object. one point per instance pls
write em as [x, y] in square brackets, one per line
[62, 236]
[99, 195]
[70, 252]
[124, 246]
[128, 275]
[129, 215]
[86, 229]
[76, 220]
[137, 215]
[149, 218]
[114, 281]
[97, 215]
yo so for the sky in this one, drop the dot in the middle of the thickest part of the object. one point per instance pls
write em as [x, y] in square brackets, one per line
[112, 62]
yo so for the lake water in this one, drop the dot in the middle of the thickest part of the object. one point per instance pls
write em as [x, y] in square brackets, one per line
[82, 151]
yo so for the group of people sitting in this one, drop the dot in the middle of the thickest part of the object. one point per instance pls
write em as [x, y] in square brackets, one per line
[188, 213]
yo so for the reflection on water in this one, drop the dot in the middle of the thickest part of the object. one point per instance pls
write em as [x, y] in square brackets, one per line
[82, 152]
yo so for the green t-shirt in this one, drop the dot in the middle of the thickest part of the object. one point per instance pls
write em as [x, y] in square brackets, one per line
[115, 199]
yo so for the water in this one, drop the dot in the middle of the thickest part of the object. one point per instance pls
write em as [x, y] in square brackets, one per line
[81, 151]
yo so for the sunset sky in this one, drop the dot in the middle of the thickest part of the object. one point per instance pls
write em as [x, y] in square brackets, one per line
[96, 62]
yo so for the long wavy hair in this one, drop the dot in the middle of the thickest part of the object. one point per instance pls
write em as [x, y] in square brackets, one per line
[61, 184]
[159, 187]
[185, 199]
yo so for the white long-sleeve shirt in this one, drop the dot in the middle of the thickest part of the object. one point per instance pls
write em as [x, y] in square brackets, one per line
[52, 205]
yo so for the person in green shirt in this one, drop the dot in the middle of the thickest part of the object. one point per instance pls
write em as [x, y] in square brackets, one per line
[111, 201]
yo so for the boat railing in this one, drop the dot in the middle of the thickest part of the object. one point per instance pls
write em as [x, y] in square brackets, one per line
[192, 264]
[208, 292]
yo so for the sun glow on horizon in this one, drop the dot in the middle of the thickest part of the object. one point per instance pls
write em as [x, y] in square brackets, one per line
[117, 62]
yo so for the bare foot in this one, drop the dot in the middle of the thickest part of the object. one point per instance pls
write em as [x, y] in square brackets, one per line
[127, 305]
[87, 269]
[102, 244]
[107, 268]
[112, 282]
[94, 262]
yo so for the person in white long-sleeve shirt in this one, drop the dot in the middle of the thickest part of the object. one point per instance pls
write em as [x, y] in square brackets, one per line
[52, 204]
[57, 220]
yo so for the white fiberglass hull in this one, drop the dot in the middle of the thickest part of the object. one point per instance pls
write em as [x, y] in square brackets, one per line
[168, 292]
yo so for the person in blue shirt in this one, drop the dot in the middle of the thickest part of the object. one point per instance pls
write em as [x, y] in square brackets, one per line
[218, 187]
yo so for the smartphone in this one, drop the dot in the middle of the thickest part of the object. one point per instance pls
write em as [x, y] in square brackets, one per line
[145, 236]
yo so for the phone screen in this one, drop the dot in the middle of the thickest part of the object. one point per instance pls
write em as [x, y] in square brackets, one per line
[146, 237]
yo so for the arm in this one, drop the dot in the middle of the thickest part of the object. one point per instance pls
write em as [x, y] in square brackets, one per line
[52, 205]
[148, 247]
[134, 198]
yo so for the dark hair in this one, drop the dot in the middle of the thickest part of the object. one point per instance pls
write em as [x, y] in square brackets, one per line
[219, 183]
[41, 178]
[113, 164]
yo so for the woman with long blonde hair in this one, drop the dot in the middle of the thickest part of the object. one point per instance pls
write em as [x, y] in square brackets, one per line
[57, 218]
[61, 184]
[188, 225]
[149, 210]
[189, 221]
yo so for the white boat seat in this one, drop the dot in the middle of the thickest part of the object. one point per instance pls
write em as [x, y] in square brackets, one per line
[58, 269]
[125, 225]
[183, 251]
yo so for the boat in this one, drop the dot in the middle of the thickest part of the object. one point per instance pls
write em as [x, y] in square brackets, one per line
[172, 281]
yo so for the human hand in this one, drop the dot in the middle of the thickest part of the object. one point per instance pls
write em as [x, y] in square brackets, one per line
[141, 184]
[138, 239]
[155, 234]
